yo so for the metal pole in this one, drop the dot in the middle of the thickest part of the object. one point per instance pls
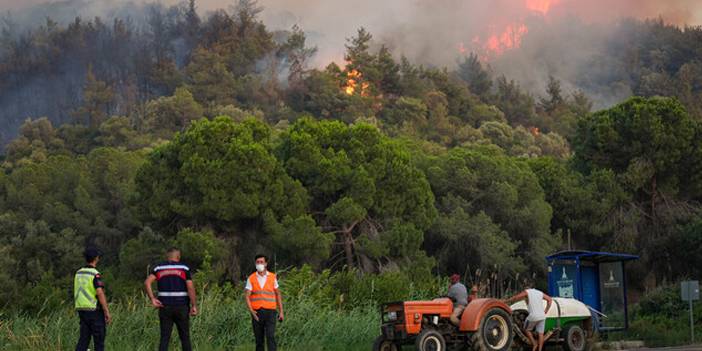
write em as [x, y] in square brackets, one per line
[692, 324]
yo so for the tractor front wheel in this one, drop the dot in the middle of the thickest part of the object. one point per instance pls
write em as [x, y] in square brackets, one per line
[494, 333]
[575, 338]
[383, 344]
[430, 340]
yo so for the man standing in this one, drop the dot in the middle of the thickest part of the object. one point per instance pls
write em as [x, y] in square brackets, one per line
[176, 300]
[458, 293]
[536, 321]
[89, 290]
[265, 303]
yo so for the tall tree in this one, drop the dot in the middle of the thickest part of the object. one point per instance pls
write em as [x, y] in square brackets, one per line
[554, 97]
[500, 197]
[98, 98]
[222, 175]
[209, 80]
[192, 23]
[364, 188]
[297, 55]
[652, 146]
[472, 72]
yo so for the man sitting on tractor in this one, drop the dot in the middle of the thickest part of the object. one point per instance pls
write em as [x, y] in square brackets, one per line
[458, 293]
[536, 321]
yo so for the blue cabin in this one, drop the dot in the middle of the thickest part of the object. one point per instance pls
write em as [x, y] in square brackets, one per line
[598, 279]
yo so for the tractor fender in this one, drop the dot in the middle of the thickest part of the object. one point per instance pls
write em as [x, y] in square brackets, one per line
[476, 309]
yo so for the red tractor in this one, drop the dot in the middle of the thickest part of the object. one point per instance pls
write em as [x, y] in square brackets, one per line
[486, 325]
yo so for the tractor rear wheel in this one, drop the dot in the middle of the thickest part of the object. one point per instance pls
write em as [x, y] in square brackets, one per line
[575, 338]
[383, 344]
[430, 340]
[494, 333]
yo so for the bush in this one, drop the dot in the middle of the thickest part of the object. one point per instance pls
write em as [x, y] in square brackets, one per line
[662, 301]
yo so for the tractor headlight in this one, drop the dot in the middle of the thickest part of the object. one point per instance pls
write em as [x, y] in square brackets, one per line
[391, 316]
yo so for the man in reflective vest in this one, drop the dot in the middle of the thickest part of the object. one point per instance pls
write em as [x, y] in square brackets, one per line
[88, 291]
[176, 300]
[265, 304]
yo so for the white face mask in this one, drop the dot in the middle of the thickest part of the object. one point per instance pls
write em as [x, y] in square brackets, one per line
[260, 267]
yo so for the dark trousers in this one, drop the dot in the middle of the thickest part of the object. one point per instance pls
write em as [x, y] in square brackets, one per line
[92, 324]
[265, 328]
[180, 316]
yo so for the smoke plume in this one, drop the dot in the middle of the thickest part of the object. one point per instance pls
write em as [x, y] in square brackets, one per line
[527, 40]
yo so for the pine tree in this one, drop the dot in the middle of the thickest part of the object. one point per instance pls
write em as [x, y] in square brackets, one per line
[554, 98]
[97, 101]
[192, 26]
[472, 72]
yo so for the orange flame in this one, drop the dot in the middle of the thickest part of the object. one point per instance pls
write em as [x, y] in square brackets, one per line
[352, 78]
[495, 43]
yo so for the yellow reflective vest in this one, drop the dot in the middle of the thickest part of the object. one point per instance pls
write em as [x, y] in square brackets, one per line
[84, 292]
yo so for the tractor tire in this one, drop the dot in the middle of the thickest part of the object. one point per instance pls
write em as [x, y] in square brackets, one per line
[383, 344]
[430, 340]
[495, 332]
[574, 338]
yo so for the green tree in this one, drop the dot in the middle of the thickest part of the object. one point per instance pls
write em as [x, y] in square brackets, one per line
[199, 246]
[579, 206]
[362, 185]
[357, 53]
[406, 111]
[98, 98]
[472, 72]
[167, 115]
[647, 141]
[483, 182]
[468, 242]
[300, 241]
[687, 243]
[554, 97]
[517, 105]
[297, 55]
[651, 146]
[209, 80]
[117, 131]
[37, 140]
[220, 175]
[138, 254]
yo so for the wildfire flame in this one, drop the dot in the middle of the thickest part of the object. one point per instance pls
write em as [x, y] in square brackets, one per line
[510, 38]
[352, 78]
[496, 42]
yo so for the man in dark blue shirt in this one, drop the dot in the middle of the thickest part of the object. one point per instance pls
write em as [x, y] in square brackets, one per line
[176, 298]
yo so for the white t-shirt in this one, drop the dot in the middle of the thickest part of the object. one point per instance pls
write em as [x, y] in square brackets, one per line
[261, 281]
[535, 305]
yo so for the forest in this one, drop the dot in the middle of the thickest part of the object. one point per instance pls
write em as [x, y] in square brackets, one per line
[214, 134]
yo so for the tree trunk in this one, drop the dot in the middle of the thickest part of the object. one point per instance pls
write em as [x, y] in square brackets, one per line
[348, 247]
[654, 190]
[234, 266]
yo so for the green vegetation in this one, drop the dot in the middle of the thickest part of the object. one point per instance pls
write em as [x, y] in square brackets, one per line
[324, 312]
[662, 319]
[380, 175]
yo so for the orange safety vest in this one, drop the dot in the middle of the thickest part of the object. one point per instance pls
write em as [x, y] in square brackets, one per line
[263, 298]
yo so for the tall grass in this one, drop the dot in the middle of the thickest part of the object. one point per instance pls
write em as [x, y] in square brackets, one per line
[223, 324]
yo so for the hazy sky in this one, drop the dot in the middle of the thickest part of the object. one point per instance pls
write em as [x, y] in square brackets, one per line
[437, 32]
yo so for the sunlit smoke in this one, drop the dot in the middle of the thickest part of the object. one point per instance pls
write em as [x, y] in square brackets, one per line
[542, 6]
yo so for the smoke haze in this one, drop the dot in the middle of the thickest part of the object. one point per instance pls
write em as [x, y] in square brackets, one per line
[527, 40]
